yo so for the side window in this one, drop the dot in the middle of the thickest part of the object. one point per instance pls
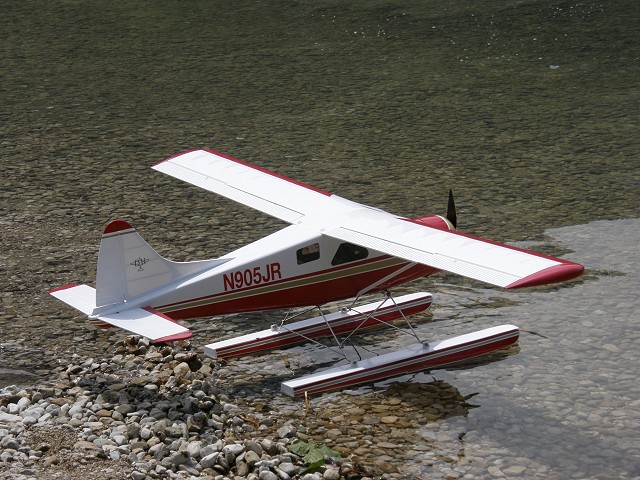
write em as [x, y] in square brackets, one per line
[308, 253]
[348, 252]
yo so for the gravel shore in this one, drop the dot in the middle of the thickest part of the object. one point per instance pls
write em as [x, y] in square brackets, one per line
[148, 412]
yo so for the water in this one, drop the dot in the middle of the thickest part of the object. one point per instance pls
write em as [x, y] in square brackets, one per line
[562, 405]
[528, 110]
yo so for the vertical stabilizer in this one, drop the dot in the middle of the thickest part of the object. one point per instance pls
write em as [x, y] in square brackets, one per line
[129, 267]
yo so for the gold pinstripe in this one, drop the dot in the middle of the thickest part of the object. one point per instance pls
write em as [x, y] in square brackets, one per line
[384, 263]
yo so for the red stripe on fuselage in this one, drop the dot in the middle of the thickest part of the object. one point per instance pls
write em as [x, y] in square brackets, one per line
[314, 291]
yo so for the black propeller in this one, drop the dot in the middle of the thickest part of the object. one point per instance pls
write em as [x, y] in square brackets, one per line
[451, 210]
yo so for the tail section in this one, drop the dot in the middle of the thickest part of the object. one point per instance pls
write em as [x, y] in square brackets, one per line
[142, 321]
[129, 267]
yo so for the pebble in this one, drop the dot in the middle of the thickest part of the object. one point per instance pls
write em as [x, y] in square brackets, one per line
[9, 418]
[160, 431]
[331, 474]
[29, 420]
[267, 475]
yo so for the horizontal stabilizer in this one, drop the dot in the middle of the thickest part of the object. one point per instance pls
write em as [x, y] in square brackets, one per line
[149, 323]
[80, 297]
[141, 321]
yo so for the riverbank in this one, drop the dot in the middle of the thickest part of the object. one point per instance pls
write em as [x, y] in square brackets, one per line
[148, 412]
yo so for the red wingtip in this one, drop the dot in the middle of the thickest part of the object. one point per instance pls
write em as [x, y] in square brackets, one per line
[116, 226]
[63, 287]
[173, 338]
[169, 338]
[555, 274]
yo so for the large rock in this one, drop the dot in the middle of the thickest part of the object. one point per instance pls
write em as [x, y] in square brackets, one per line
[251, 458]
[181, 370]
[9, 418]
[210, 460]
[193, 449]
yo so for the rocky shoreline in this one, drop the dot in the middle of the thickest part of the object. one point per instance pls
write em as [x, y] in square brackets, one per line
[151, 412]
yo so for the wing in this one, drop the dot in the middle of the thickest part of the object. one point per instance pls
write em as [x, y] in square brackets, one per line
[248, 184]
[472, 257]
[331, 215]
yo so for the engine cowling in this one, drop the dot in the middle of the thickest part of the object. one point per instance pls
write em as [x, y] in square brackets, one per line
[435, 221]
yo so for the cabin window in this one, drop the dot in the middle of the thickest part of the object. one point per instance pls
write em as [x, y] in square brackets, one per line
[348, 252]
[308, 254]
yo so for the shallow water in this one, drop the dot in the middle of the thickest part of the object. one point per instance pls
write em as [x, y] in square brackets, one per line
[528, 110]
[564, 404]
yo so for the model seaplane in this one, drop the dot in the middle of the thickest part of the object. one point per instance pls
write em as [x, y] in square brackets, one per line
[334, 249]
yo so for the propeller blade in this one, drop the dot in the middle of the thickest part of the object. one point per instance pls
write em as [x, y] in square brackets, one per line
[451, 210]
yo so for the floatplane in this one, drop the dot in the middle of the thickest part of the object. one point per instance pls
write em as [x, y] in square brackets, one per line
[332, 250]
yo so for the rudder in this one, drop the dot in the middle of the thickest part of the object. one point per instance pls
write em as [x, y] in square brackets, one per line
[129, 267]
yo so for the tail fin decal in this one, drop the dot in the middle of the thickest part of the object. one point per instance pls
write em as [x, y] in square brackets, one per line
[129, 267]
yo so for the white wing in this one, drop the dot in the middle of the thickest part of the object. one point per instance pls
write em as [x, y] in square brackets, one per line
[331, 215]
[454, 252]
[248, 184]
